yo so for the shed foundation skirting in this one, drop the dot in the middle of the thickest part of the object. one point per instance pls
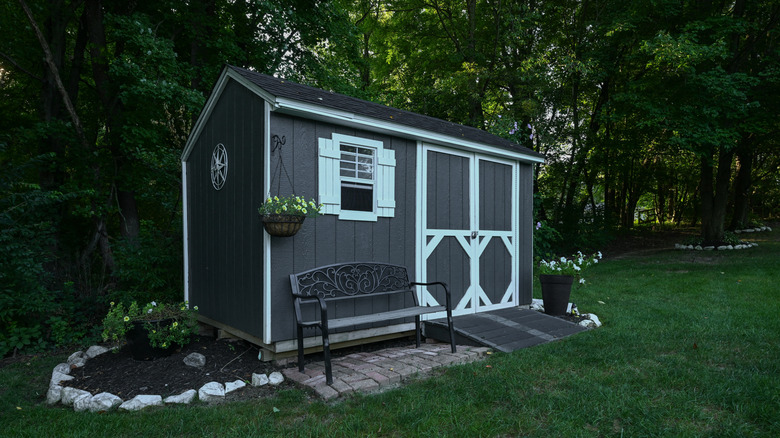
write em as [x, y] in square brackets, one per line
[313, 344]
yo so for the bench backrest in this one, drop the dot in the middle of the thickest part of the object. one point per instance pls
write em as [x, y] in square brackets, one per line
[350, 279]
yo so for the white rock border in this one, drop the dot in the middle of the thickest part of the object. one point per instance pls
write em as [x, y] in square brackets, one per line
[84, 400]
[741, 245]
[589, 320]
[753, 230]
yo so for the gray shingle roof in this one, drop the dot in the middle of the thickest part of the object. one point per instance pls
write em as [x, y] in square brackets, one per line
[304, 93]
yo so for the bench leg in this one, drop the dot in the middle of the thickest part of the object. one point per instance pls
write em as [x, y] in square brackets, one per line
[326, 353]
[417, 329]
[300, 348]
[452, 330]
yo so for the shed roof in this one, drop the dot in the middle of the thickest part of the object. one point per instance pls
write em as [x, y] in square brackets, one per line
[281, 88]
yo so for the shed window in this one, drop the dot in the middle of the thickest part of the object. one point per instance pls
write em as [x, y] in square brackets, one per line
[356, 178]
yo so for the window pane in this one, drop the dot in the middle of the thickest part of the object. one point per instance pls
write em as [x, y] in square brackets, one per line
[365, 151]
[357, 197]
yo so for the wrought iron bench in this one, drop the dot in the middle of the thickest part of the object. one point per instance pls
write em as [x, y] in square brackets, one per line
[357, 282]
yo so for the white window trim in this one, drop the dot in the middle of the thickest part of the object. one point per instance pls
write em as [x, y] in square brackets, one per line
[330, 178]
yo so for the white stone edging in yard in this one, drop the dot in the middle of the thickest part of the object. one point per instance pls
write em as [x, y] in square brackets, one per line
[84, 401]
[590, 320]
[753, 230]
[742, 245]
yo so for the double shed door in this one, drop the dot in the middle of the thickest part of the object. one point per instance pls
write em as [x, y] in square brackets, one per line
[468, 232]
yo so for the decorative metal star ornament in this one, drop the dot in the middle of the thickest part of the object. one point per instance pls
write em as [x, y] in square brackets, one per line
[219, 166]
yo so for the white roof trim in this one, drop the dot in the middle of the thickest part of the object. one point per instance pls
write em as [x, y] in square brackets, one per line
[316, 112]
[293, 107]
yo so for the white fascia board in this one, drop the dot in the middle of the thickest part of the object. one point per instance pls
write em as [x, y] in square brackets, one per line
[186, 230]
[294, 107]
[208, 108]
[267, 311]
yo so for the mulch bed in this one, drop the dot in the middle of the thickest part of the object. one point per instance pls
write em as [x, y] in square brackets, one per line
[227, 360]
[121, 375]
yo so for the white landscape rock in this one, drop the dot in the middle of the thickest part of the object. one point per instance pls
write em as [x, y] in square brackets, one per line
[185, 397]
[58, 377]
[232, 386]
[196, 360]
[81, 404]
[63, 368]
[54, 394]
[141, 401]
[212, 391]
[105, 401]
[95, 351]
[275, 378]
[537, 304]
[77, 359]
[594, 318]
[70, 395]
[259, 379]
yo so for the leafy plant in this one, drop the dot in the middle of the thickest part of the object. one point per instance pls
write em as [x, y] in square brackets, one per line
[545, 239]
[290, 205]
[565, 266]
[165, 324]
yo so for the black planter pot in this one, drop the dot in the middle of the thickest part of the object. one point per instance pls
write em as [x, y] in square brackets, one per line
[138, 342]
[556, 290]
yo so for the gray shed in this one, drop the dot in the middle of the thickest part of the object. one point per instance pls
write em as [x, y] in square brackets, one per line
[450, 202]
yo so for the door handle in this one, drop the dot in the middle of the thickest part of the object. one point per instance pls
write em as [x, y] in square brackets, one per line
[474, 234]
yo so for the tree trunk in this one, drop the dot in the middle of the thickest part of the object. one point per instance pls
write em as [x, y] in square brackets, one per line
[714, 197]
[742, 185]
[129, 224]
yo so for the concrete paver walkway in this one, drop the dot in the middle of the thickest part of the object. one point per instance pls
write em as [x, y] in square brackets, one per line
[378, 369]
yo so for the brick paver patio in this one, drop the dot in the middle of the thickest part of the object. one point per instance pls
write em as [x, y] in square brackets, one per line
[366, 372]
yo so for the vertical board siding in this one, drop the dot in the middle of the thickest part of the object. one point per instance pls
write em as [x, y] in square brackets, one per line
[326, 240]
[224, 238]
[448, 192]
[495, 202]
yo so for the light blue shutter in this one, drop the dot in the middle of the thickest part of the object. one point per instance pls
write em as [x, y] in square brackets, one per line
[329, 179]
[385, 182]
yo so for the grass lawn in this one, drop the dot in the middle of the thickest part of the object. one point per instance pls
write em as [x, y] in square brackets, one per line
[690, 347]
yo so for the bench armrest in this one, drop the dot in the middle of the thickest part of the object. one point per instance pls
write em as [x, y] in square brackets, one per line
[323, 309]
[437, 283]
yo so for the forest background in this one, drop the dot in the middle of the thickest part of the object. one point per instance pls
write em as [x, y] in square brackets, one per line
[660, 111]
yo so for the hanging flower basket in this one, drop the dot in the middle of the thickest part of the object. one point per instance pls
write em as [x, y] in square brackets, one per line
[284, 216]
[282, 225]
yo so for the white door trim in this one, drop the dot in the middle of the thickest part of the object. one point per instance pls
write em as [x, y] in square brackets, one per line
[475, 298]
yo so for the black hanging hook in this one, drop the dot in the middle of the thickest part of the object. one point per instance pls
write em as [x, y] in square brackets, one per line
[277, 175]
[278, 142]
